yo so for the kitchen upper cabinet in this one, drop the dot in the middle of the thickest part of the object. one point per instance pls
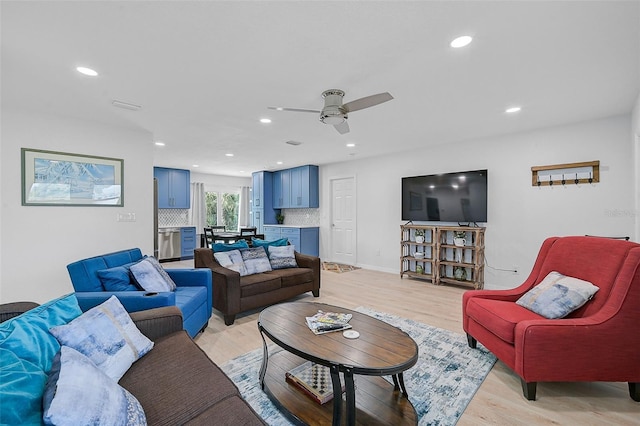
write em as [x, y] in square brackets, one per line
[174, 188]
[304, 187]
[282, 189]
[296, 188]
[262, 200]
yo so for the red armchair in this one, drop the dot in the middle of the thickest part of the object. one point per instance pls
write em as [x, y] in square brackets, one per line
[599, 341]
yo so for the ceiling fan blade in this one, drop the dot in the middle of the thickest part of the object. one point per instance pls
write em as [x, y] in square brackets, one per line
[342, 128]
[367, 101]
[294, 109]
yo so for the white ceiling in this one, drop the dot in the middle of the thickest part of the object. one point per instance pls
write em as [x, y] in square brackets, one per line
[205, 72]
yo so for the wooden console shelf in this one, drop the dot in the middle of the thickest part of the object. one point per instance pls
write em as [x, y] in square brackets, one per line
[440, 260]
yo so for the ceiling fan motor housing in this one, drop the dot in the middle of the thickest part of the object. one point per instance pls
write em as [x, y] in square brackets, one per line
[333, 113]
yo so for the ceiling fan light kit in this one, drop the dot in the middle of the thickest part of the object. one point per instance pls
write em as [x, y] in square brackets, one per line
[335, 111]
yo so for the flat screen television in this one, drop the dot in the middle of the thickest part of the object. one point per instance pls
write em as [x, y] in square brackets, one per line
[450, 197]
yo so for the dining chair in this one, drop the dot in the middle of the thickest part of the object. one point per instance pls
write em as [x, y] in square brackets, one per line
[248, 231]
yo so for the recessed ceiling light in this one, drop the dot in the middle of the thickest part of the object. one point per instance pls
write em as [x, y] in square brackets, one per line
[351, 145]
[461, 41]
[158, 143]
[229, 154]
[195, 165]
[87, 71]
[512, 110]
[278, 162]
[265, 120]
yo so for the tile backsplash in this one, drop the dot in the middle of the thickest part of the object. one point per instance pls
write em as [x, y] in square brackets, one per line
[301, 217]
[173, 217]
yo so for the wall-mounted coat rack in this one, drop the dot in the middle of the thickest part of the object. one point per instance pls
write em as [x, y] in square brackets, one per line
[566, 174]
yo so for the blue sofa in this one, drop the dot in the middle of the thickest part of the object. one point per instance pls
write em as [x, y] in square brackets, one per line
[193, 295]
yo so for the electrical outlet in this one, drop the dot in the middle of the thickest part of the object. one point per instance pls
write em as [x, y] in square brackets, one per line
[126, 217]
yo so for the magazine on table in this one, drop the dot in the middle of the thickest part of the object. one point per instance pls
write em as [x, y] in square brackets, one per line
[327, 322]
[314, 380]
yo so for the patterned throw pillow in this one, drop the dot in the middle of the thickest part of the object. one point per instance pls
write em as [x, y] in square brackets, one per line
[557, 295]
[256, 260]
[78, 393]
[107, 336]
[282, 257]
[232, 260]
[150, 275]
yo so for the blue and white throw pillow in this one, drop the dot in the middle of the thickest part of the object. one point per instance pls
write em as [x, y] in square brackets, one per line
[78, 393]
[256, 260]
[117, 278]
[282, 257]
[232, 260]
[150, 275]
[557, 295]
[107, 336]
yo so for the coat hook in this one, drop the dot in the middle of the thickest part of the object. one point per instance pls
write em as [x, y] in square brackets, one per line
[563, 180]
[539, 183]
[590, 178]
[577, 180]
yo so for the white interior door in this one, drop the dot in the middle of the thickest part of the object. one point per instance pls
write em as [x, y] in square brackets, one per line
[343, 220]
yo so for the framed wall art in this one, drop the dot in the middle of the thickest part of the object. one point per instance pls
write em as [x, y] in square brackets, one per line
[52, 178]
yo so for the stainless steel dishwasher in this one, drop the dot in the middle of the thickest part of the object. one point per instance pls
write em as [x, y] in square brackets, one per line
[168, 243]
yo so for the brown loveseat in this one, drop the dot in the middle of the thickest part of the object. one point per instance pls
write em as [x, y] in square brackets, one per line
[233, 294]
[176, 383]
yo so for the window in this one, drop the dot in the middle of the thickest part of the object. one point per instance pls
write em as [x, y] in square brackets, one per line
[223, 209]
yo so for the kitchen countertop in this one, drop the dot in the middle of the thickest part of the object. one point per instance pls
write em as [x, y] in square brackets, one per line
[291, 226]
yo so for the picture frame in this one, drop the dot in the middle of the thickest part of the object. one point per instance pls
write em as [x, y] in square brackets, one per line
[51, 178]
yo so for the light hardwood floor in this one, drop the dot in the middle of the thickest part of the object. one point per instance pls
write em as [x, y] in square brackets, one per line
[499, 400]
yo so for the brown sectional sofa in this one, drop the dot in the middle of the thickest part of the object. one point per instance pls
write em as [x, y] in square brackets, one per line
[233, 294]
[176, 383]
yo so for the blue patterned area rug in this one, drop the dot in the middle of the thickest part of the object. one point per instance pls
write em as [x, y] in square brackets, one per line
[447, 375]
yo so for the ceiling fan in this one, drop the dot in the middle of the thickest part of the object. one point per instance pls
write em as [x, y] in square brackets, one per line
[335, 112]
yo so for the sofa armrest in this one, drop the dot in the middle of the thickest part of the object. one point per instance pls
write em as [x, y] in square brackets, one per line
[13, 309]
[313, 263]
[194, 278]
[132, 301]
[158, 322]
[225, 282]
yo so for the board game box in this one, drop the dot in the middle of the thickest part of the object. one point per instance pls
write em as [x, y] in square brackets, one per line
[314, 380]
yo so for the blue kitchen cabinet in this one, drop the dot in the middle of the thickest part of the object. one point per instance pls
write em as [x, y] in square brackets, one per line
[174, 188]
[305, 239]
[262, 211]
[305, 187]
[187, 242]
[296, 188]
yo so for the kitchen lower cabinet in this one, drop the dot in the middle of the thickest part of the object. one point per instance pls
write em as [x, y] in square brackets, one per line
[187, 242]
[305, 239]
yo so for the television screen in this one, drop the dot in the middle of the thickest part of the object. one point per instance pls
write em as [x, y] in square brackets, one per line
[450, 197]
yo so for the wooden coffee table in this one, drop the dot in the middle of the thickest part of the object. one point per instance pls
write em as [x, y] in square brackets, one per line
[381, 350]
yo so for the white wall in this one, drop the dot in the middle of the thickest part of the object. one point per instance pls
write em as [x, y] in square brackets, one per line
[219, 182]
[38, 242]
[520, 216]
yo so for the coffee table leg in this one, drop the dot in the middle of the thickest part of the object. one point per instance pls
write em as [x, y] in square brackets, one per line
[265, 359]
[337, 394]
[402, 386]
[351, 396]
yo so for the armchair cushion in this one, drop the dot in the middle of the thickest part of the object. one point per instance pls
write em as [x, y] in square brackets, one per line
[150, 275]
[557, 295]
[106, 335]
[75, 378]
